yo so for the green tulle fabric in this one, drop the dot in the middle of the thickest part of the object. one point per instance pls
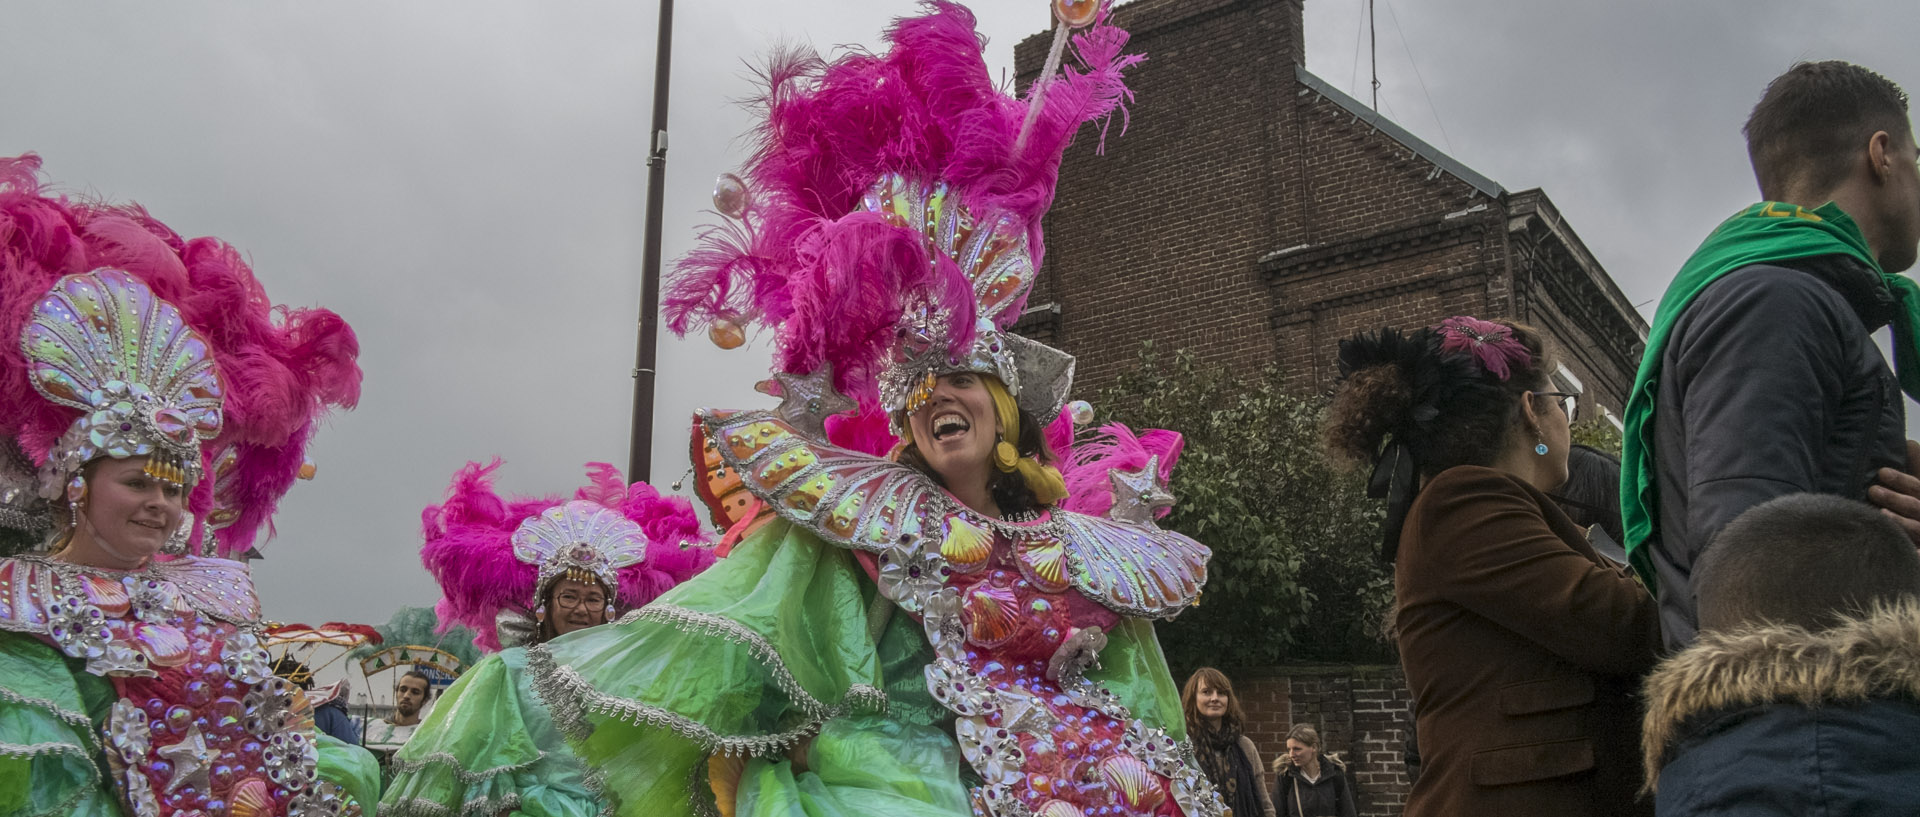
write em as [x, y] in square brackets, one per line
[50, 758]
[350, 767]
[489, 748]
[781, 640]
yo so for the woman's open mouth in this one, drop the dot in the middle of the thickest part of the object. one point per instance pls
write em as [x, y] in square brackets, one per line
[949, 425]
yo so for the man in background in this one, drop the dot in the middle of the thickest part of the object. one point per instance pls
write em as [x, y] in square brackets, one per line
[387, 735]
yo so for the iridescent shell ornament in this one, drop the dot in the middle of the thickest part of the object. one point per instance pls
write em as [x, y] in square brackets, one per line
[145, 382]
[582, 538]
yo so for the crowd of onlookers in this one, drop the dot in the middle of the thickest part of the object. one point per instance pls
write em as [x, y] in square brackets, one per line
[1725, 620]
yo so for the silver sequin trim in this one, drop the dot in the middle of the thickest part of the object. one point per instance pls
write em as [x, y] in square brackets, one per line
[570, 698]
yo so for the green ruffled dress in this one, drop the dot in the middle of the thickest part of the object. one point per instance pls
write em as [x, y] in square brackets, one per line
[780, 639]
[51, 761]
[490, 748]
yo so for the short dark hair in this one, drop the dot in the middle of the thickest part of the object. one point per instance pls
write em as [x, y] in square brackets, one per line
[1591, 494]
[1806, 560]
[1814, 119]
[414, 673]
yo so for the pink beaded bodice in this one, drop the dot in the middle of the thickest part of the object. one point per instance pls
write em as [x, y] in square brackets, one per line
[202, 726]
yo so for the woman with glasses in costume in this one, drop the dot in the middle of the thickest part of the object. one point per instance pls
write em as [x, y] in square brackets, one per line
[520, 572]
[155, 407]
[1522, 645]
[908, 622]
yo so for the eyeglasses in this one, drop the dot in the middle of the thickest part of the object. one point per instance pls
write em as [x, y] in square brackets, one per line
[570, 601]
[1569, 402]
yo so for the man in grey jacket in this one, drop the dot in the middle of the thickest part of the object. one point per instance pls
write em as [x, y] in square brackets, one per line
[1769, 381]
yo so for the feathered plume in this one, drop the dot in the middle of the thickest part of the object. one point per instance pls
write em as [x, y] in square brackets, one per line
[1491, 344]
[837, 281]
[1115, 448]
[469, 545]
[282, 368]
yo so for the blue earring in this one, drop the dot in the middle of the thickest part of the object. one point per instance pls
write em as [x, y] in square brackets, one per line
[1540, 449]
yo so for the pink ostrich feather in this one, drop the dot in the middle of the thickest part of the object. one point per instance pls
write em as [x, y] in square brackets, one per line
[835, 279]
[866, 431]
[1115, 447]
[1490, 343]
[283, 369]
[468, 545]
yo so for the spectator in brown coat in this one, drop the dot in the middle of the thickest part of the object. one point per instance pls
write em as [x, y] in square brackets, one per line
[1522, 645]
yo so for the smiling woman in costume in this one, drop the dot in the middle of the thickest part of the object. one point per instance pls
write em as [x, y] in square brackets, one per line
[521, 572]
[1522, 644]
[928, 634]
[155, 407]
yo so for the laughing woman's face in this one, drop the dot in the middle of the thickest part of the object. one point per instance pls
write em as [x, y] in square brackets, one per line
[956, 429]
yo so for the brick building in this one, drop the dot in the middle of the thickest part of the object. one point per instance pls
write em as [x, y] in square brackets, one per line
[1255, 215]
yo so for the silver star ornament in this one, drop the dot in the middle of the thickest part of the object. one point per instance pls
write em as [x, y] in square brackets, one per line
[806, 401]
[189, 759]
[1138, 495]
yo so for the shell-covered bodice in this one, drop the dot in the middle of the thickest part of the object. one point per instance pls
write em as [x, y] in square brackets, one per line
[1008, 607]
[202, 726]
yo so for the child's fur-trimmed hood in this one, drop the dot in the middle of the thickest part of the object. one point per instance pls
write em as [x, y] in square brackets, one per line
[1875, 656]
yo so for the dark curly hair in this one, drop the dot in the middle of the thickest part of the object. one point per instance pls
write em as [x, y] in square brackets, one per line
[1444, 407]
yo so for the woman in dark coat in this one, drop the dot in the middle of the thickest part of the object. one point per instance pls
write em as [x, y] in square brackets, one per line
[1522, 645]
[1310, 784]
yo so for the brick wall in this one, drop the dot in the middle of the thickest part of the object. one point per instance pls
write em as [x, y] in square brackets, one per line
[1255, 220]
[1362, 715]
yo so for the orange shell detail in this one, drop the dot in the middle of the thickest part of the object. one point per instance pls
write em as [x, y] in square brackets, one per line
[967, 545]
[250, 799]
[991, 615]
[1046, 564]
[1058, 808]
[1136, 784]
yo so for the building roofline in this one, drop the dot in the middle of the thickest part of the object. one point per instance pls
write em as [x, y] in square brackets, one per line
[1399, 134]
[1535, 203]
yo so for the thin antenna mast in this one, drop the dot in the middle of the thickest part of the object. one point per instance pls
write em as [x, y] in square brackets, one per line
[1373, 54]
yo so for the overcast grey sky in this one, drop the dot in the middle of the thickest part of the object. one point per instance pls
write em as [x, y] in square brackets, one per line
[464, 181]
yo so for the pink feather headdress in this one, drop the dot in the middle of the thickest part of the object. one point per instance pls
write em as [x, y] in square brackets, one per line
[1092, 465]
[817, 247]
[281, 369]
[1490, 344]
[469, 546]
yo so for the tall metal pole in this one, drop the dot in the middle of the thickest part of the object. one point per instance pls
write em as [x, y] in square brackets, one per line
[1373, 54]
[640, 455]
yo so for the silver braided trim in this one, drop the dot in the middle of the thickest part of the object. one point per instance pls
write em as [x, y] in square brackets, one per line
[571, 699]
[701, 800]
[68, 716]
[411, 806]
[452, 764]
[83, 753]
[694, 622]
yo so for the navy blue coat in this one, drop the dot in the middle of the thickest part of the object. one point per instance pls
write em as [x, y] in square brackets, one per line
[1729, 735]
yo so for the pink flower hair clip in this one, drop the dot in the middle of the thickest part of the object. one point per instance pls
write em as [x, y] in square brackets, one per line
[1490, 343]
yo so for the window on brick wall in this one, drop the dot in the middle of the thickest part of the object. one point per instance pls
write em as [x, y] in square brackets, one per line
[1565, 381]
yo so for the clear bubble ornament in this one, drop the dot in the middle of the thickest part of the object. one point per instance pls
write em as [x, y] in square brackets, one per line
[1081, 412]
[730, 196]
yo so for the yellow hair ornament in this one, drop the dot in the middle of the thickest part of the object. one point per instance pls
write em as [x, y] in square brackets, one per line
[1044, 480]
